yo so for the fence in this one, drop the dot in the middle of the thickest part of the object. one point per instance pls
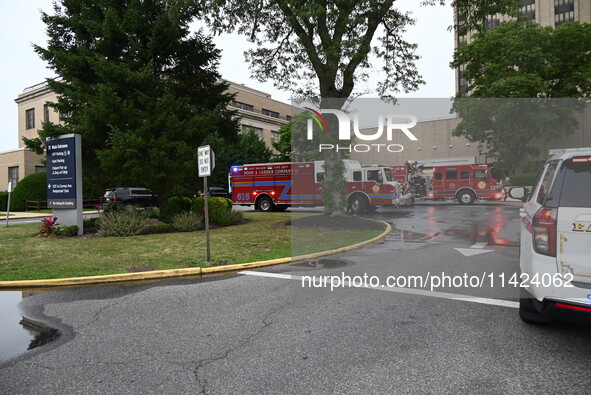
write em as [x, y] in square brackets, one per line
[36, 205]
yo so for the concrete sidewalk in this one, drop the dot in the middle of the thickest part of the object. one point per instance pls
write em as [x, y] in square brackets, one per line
[29, 215]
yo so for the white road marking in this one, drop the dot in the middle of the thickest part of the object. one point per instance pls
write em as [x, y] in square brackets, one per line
[479, 245]
[412, 291]
[472, 251]
[266, 274]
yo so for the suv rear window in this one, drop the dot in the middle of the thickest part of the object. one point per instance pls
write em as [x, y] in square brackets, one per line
[575, 177]
[141, 192]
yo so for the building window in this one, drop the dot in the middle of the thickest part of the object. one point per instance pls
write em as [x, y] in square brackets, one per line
[40, 169]
[248, 128]
[275, 136]
[242, 106]
[529, 11]
[30, 113]
[13, 175]
[288, 117]
[492, 22]
[46, 113]
[270, 113]
[564, 11]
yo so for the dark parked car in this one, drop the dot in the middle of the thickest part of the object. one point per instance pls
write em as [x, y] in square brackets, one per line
[218, 192]
[142, 197]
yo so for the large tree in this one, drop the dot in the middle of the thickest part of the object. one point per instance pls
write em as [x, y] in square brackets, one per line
[321, 50]
[141, 89]
[530, 71]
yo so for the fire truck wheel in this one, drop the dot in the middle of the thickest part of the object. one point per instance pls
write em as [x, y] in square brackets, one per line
[357, 204]
[265, 204]
[466, 196]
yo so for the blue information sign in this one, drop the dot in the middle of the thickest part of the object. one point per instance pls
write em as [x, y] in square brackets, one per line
[61, 173]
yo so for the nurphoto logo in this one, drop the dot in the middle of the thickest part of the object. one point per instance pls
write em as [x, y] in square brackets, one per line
[393, 122]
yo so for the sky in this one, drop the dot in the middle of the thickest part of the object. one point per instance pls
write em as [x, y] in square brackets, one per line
[21, 67]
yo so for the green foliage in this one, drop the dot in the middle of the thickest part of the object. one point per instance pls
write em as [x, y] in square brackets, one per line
[3, 200]
[187, 221]
[128, 222]
[33, 187]
[523, 179]
[159, 227]
[113, 207]
[90, 222]
[139, 86]
[532, 84]
[249, 148]
[230, 218]
[536, 61]
[67, 231]
[217, 206]
[175, 206]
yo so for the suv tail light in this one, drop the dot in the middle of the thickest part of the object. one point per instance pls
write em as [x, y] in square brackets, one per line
[544, 231]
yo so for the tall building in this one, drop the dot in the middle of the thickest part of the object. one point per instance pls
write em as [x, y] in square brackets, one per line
[543, 12]
[256, 110]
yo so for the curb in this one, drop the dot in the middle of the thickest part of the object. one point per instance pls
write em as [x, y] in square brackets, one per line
[192, 271]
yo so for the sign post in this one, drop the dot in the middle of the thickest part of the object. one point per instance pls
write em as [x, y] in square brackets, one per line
[206, 163]
[64, 179]
[8, 203]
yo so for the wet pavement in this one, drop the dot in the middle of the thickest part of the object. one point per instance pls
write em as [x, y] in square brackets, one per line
[266, 333]
[19, 333]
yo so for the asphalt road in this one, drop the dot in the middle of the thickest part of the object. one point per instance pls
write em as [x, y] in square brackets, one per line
[266, 332]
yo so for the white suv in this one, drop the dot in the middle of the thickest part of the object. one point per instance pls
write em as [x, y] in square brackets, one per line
[555, 255]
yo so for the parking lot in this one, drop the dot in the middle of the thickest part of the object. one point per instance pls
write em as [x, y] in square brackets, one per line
[281, 330]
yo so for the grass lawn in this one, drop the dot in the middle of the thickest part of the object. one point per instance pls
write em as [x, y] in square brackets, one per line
[27, 256]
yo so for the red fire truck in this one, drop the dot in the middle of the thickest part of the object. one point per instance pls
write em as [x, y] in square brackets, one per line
[276, 186]
[465, 183]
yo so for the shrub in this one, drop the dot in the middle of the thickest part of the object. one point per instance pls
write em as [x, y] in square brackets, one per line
[152, 212]
[230, 218]
[3, 201]
[187, 221]
[113, 206]
[33, 187]
[523, 179]
[217, 206]
[68, 231]
[159, 227]
[123, 223]
[48, 226]
[90, 222]
[176, 205]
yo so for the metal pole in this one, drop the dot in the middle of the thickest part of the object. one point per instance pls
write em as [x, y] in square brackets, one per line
[206, 219]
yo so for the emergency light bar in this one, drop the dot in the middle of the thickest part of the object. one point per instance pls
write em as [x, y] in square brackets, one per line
[559, 151]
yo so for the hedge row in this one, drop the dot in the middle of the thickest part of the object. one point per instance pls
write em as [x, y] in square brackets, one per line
[218, 207]
[3, 200]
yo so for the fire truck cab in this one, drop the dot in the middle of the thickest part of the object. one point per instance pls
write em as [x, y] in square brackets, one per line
[276, 186]
[465, 183]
